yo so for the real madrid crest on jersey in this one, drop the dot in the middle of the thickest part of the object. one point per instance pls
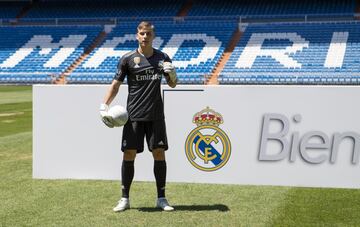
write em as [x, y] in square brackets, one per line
[207, 147]
[161, 64]
[136, 61]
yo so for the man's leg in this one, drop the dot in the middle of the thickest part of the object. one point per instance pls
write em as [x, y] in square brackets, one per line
[160, 177]
[131, 144]
[127, 175]
[127, 171]
[160, 171]
[157, 143]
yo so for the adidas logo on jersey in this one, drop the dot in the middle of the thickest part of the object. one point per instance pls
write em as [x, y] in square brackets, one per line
[161, 143]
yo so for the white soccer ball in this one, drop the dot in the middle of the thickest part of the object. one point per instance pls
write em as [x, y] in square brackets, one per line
[119, 115]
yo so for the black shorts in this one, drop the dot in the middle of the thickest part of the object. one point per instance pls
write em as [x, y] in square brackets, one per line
[135, 131]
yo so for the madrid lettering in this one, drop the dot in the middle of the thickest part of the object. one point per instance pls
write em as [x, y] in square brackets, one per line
[66, 47]
[306, 145]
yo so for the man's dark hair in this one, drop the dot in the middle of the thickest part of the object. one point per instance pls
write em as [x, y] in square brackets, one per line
[145, 24]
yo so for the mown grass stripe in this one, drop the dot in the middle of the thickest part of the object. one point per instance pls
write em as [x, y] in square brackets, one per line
[15, 118]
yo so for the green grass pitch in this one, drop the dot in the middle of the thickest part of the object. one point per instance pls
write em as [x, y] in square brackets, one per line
[28, 202]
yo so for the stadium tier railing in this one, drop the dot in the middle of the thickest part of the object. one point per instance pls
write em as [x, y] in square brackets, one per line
[176, 19]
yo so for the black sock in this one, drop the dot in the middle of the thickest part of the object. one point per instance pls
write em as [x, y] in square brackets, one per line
[160, 176]
[127, 175]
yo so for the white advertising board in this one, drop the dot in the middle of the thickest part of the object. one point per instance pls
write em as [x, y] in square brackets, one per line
[258, 135]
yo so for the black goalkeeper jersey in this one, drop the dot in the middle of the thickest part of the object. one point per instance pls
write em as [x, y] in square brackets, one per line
[144, 80]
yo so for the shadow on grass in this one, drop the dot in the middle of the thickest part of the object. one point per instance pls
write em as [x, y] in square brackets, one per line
[214, 207]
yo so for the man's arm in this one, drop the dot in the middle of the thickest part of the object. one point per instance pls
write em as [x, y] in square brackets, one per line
[109, 97]
[112, 92]
[170, 74]
[170, 82]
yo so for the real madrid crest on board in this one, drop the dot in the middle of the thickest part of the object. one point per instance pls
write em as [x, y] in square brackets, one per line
[207, 147]
[137, 62]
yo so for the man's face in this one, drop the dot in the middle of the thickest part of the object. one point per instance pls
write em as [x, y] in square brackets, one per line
[145, 36]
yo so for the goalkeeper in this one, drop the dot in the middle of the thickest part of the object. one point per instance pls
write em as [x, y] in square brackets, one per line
[144, 68]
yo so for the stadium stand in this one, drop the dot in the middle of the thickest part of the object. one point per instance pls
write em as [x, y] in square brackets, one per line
[193, 47]
[32, 54]
[324, 52]
[9, 10]
[104, 8]
[272, 7]
[296, 53]
[357, 10]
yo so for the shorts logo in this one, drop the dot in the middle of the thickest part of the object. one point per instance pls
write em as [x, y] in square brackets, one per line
[207, 147]
[137, 62]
